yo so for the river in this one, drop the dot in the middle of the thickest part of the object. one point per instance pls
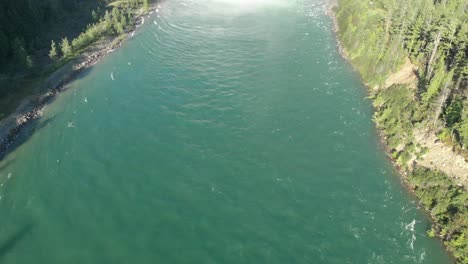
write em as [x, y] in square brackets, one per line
[224, 131]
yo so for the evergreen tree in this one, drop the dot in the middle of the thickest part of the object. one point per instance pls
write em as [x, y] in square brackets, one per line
[108, 20]
[19, 52]
[66, 48]
[95, 16]
[29, 62]
[53, 51]
[123, 20]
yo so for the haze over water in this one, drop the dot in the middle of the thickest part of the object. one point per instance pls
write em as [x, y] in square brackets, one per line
[224, 132]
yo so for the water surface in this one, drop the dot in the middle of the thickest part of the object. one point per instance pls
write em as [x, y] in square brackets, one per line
[223, 132]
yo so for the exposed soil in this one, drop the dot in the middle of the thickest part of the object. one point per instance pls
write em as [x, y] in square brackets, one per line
[406, 75]
[438, 156]
[441, 157]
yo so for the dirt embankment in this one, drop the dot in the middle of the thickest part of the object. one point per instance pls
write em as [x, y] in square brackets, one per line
[438, 156]
[441, 157]
[406, 75]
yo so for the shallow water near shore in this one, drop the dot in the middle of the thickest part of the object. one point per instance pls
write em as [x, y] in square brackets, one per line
[223, 132]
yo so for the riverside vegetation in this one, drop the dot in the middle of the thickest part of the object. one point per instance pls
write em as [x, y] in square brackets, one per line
[38, 37]
[378, 36]
[431, 36]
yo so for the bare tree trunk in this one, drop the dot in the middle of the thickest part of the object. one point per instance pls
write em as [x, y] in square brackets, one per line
[444, 94]
[434, 52]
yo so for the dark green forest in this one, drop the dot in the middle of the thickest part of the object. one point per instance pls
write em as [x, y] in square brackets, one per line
[28, 26]
[36, 37]
[378, 36]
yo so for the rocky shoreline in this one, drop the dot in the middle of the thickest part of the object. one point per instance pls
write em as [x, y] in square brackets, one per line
[32, 108]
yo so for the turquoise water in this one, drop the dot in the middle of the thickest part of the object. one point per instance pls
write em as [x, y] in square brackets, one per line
[229, 132]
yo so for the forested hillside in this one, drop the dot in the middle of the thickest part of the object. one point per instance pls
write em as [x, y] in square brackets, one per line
[38, 36]
[378, 36]
[27, 26]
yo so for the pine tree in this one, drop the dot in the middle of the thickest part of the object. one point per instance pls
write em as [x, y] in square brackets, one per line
[115, 15]
[53, 51]
[108, 20]
[119, 28]
[66, 48]
[29, 62]
[94, 15]
[19, 52]
[123, 20]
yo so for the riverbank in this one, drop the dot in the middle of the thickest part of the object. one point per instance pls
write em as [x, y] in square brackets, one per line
[31, 107]
[434, 172]
[202, 111]
[455, 166]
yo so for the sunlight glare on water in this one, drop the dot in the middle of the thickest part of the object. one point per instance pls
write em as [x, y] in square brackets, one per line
[242, 4]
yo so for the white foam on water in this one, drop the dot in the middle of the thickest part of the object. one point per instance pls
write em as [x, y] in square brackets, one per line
[422, 256]
[234, 7]
[411, 225]
[413, 238]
